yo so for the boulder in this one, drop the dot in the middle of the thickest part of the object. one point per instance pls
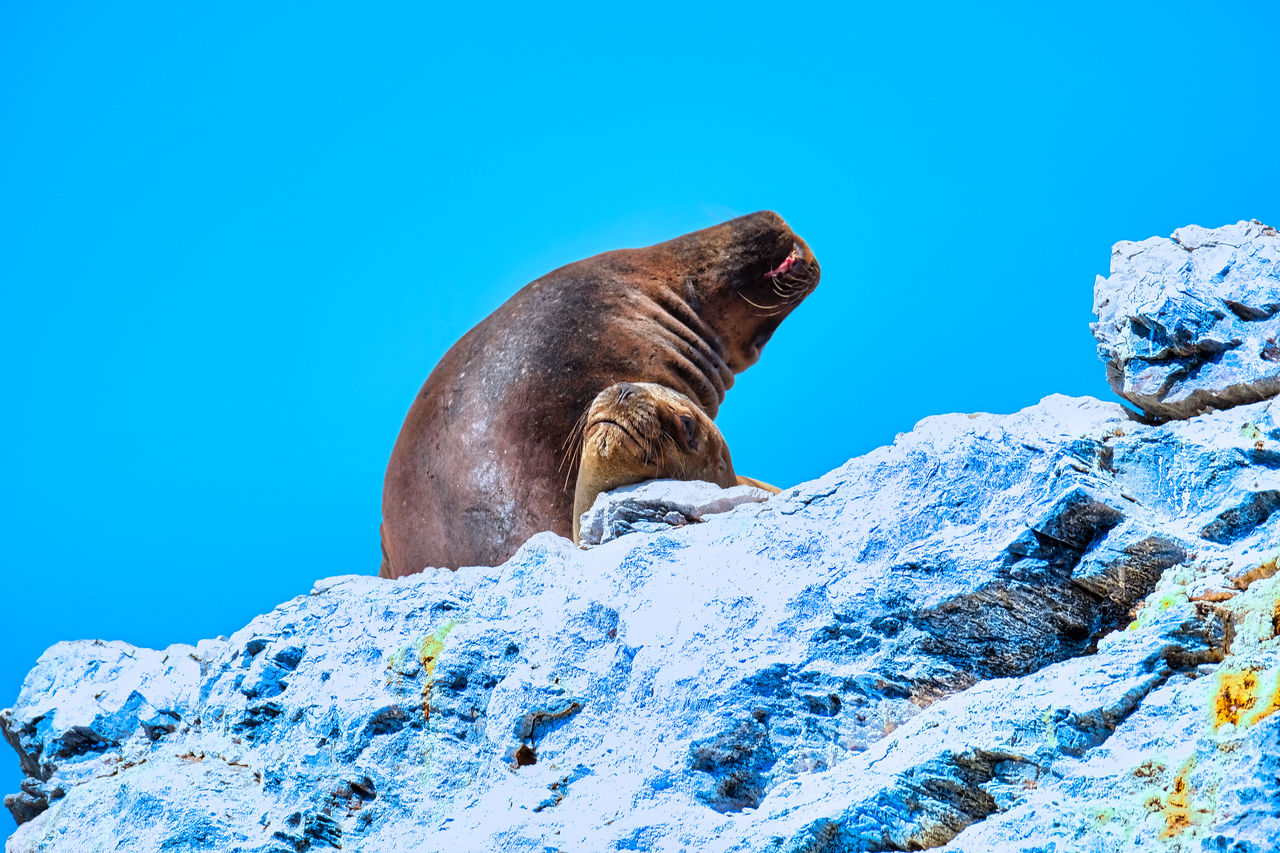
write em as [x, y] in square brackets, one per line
[1191, 323]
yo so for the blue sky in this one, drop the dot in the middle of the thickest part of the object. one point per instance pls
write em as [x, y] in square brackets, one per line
[234, 240]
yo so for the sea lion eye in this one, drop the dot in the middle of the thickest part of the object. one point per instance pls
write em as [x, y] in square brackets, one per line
[690, 431]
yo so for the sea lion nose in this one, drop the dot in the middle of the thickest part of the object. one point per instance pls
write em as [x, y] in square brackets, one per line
[625, 390]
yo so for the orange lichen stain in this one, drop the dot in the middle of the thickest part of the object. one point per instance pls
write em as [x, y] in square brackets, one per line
[1177, 809]
[1262, 571]
[1239, 699]
[1148, 769]
[1237, 694]
[1266, 708]
[1246, 697]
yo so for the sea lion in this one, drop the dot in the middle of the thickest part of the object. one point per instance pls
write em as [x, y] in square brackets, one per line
[476, 468]
[637, 431]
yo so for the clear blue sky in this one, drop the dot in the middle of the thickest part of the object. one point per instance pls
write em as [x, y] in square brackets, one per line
[235, 239]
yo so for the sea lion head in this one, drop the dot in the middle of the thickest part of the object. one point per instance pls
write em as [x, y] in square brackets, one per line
[743, 277]
[637, 431]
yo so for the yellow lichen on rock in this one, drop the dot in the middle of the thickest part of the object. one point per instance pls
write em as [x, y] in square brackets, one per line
[429, 649]
[1177, 807]
[1183, 807]
[1236, 695]
[1246, 696]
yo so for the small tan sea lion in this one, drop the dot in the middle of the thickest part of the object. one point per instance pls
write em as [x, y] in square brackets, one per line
[637, 431]
[476, 469]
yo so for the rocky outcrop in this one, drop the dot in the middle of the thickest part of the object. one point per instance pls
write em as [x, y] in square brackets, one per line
[1192, 322]
[1052, 630]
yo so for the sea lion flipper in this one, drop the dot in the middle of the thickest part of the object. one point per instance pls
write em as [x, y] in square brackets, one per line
[759, 484]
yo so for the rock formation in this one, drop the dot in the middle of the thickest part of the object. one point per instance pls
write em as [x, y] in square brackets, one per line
[1192, 322]
[1054, 630]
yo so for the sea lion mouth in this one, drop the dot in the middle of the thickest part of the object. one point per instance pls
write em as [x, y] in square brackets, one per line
[794, 259]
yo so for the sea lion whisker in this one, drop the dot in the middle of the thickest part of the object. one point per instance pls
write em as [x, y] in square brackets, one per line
[576, 428]
[757, 304]
[793, 283]
[796, 290]
[572, 446]
[576, 431]
[789, 286]
[628, 430]
[664, 435]
[799, 281]
[573, 451]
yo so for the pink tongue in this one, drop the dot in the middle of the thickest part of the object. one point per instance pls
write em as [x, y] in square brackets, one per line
[791, 261]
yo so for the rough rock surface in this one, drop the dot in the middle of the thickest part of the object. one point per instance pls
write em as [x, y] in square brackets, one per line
[931, 645]
[1055, 630]
[660, 504]
[1192, 322]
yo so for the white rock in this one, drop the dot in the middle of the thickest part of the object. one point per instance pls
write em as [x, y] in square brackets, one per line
[657, 504]
[1192, 322]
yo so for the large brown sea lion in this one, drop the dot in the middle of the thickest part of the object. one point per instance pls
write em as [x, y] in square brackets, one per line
[477, 467]
[637, 431]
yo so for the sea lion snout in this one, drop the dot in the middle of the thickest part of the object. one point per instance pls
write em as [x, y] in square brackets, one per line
[767, 271]
[793, 259]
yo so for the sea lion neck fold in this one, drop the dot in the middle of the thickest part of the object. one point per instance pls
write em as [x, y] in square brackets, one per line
[746, 276]
[479, 466]
[697, 352]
